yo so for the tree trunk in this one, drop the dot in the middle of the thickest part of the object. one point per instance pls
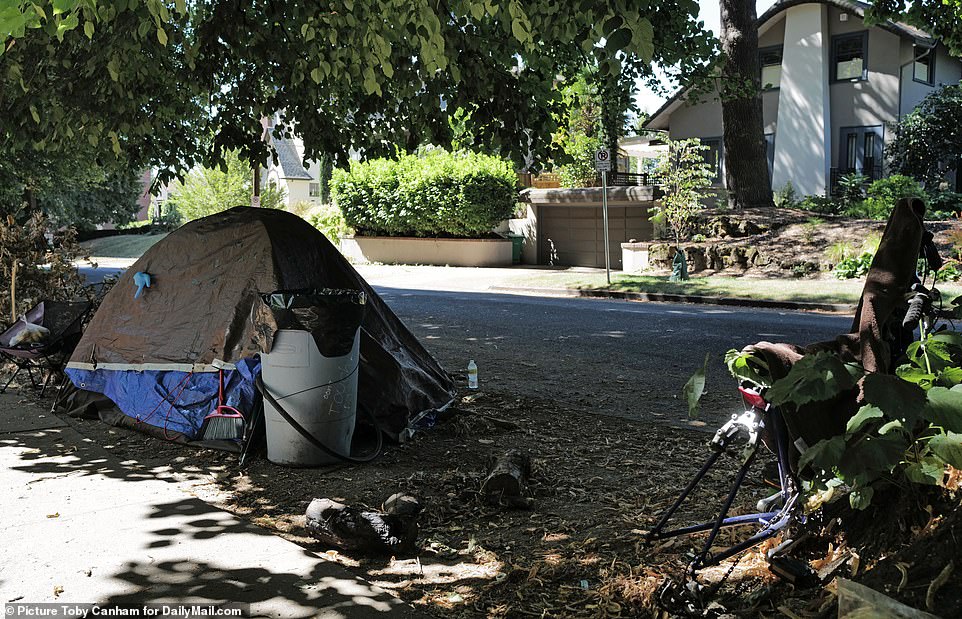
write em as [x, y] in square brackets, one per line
[746, 157]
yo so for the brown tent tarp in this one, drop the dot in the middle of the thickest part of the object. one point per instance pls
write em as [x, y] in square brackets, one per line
[204, 309]
[876, 320]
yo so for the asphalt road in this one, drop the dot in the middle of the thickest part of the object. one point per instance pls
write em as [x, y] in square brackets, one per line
[608, 357]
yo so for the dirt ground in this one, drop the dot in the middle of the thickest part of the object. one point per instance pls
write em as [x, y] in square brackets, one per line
[787, 237]
[597, 484]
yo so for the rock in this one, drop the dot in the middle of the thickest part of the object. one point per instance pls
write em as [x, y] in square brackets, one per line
[697, 259]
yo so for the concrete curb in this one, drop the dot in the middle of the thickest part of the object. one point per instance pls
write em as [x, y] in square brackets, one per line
[658, 297]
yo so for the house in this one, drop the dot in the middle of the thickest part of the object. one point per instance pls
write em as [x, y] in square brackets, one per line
[299, 180]
[832, 86]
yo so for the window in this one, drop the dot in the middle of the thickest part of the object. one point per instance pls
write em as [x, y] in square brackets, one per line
[713, 156]
[848, 57]
[314, 190]
[770, 60]
[861, 151]
[923, 69]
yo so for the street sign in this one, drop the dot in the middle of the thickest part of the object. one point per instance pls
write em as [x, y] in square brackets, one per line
[602, 160]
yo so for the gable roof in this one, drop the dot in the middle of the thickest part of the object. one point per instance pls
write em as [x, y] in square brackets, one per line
[852, 6]
[289, 161]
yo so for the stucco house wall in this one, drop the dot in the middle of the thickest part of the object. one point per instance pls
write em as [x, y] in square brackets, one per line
[806, 115]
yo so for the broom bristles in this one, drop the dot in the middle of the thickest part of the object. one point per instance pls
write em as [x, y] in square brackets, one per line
[223, 427]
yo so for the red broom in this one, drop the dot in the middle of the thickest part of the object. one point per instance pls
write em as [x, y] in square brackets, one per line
[226, 422]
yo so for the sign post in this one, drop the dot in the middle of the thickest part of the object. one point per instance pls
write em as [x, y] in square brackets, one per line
[603, 164]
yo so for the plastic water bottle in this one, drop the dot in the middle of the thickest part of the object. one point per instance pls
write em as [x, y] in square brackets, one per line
[472, 374]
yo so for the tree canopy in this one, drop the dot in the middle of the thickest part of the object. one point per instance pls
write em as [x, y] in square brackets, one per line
[928, 140]
[174, 84]
[941, 18]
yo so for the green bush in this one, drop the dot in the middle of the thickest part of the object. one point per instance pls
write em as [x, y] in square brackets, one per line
[580, 172]
[853, 267]
[943, 204]
[882, 195]
[458, 194]
[821, 205]
[328, 219]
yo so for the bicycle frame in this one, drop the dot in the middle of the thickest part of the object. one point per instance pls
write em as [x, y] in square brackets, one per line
[758, 416]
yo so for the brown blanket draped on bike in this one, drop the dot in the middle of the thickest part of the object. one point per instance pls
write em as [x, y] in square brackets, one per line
[886, 284]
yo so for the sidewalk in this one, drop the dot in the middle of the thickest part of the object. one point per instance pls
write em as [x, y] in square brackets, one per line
[540, 281]
[82, 527]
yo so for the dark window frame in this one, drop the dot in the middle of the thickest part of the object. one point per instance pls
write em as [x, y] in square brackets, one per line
[857, 134]
[837, 40]
[781, 56]
[931, 61]
[719, 177]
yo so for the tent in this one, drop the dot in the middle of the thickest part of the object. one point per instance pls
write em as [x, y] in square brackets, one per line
[160, 356]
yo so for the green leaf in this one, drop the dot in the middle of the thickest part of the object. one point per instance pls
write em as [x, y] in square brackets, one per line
[643, 41]
[695, 388]
[747, 366]
[89, 29]
[871, 456]
[916, 376]
[113, 67]
[114, 142]
[944, 408]
[317, 75]
[518, 31]
[162, 36]
[948, 446]
[824, 454]
[863, 416]
[814, 378]
[62, 6]
[895, 424]
[613, 24]
[928, 471]
[35, 114]
[618, 40]
[67, 23]
[897, 398]
[860, 498]
[950, 377]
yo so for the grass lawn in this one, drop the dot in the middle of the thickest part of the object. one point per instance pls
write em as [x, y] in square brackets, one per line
[125, 246]
[799, 290]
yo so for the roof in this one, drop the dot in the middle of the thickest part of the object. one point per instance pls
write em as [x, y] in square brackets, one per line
[289, 161]
[852, 6]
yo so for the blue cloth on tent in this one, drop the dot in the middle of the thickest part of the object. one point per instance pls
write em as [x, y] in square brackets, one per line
[170, 400]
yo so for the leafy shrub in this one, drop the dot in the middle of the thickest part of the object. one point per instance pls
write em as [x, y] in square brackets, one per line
[950, 272]
[882, 195]
[581, 171]
[851, 189]
[328, 219]
[853, 267]
[945, 203]
[821, 205]
[908, 430]
[786, 197]
[453, 194]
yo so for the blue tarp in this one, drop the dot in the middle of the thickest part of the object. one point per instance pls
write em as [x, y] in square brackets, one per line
[175, 402]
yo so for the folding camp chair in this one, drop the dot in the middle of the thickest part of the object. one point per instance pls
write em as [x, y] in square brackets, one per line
[64, 320]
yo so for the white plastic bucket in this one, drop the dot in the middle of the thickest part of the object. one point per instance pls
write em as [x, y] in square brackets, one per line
[318, 392]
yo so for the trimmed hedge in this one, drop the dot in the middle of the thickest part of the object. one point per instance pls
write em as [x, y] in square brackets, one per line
[437, 194]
